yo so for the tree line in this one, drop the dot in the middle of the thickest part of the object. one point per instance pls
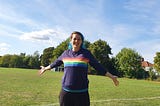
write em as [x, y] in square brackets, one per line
[127, 63]
[20, 61]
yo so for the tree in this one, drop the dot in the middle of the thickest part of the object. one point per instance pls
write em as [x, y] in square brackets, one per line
[16, 61]
[60, 49]
[26, 60]
[101, 50]
[157, 61]
[128, 63]
[34, 61]
[87, 44]
[5, 60]
[46, 56]
[0, 61]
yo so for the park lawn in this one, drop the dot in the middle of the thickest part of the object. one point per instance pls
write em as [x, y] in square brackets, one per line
[24, 87]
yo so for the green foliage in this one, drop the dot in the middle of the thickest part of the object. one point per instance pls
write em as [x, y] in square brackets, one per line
[101, 51]
[34, 61]
[141, 74]
[16, 61]
[128, 62]
[152, 75]
[26, 60]
[60, 49]
[87, 44]
[46, 56]
[5, 60]
[157, 61]
[21, 61]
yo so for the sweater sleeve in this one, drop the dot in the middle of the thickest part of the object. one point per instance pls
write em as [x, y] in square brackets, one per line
[58, 62]
[96, 65]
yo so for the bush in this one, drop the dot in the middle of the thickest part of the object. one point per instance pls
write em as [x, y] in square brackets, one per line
[142, 74]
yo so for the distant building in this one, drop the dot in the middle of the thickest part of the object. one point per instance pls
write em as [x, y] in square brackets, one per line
[147, 66]
[58, 69]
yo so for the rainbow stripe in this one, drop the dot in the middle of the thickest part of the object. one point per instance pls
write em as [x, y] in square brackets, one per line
[75, 62]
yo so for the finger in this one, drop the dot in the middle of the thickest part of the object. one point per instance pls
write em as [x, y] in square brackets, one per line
[117, 83]
[40, 72]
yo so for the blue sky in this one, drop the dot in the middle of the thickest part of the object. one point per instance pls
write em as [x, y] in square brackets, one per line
[30, 25]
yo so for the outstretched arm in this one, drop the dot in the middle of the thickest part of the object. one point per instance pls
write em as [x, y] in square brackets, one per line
[43, 69]
[114, 78]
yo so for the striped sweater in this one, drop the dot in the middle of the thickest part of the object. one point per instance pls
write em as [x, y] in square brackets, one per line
[75, 77]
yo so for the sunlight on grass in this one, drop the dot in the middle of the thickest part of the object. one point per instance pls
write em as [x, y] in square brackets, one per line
[24, 87]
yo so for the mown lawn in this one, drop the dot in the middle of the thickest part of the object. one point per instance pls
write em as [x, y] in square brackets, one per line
[23, 87]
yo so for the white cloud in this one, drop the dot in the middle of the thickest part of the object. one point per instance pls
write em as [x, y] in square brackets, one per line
[3, 48]
[49, 36]
[37, 35]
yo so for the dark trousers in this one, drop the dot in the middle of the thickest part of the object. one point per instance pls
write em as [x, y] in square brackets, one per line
[74, 99]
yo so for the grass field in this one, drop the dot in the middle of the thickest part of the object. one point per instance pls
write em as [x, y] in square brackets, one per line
[23, 87]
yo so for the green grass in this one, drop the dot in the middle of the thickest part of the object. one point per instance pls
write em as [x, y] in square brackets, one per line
[23, 87]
